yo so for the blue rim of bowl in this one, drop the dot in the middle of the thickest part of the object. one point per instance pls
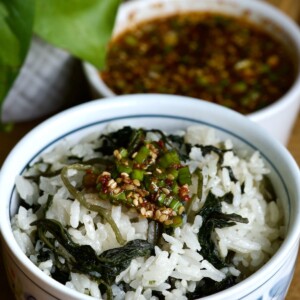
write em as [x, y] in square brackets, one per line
[192, 120]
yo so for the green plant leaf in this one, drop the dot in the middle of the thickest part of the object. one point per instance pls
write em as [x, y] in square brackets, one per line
[81, 27]
[16, 24]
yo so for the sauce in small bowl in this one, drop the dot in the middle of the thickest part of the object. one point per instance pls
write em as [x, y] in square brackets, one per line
[219, 58]
[244, 55]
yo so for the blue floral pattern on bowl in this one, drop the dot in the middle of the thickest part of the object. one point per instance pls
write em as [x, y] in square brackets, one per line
[279, 290]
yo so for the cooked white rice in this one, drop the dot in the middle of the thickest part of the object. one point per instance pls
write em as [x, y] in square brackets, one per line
[254, 243]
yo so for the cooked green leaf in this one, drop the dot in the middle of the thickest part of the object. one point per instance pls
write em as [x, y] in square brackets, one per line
[115, 140]
[83, 259]
[213, 218]
[119, 259]
[208, 287]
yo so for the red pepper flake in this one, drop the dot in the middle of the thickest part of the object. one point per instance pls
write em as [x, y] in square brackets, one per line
[89, 179]
[161, 144]
[184, 193]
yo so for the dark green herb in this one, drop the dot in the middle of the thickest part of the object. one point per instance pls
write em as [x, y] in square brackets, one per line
[214, 218]
[208, 149]
[44, 255]
[231, 174]
[208, 287]
[115, 140]
[83, 259]
[34, 207]
[228, 198]
[267, 189]
[118, 259]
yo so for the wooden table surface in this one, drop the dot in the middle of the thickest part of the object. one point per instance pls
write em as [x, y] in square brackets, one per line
[8, 140]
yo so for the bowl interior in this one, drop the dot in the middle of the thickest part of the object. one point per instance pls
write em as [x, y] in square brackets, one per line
[155, 111]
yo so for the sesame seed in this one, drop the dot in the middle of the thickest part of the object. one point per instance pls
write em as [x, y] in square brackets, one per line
[111, 182]
[166, 191]
[170, 176]
[117, 190]
[117, 154]
[163, 218]
[168, 222]
[166, 211]
[129, 187]
[153, 155]
[135, 202]
[149, 213]
[157, 214]
[134, 154]
[143, 211]
[113, 185]
[105, 173]
[181, 210]
[158, 170]
[124, 174]
[136, 182]
[127, 180]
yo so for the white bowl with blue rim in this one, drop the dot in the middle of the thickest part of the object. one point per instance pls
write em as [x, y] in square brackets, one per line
[163, 112]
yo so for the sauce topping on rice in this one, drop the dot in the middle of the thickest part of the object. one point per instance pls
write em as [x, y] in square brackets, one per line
[217, 58]
[148, 176]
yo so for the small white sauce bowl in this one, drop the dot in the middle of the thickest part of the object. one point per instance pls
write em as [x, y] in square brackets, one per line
[164, 112]
[279, 117]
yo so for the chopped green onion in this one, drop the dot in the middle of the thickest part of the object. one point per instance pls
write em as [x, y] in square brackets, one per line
[137, 174]
[175, 204]
[161, 198]
[142, 155]
[123, 152]
[168, 159]
[184, 176]
[124, 168]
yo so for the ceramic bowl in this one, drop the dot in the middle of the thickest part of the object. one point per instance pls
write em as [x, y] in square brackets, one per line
[165, 112]
[277, 118]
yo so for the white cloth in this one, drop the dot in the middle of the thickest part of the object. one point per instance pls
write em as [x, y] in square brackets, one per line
[42, 85]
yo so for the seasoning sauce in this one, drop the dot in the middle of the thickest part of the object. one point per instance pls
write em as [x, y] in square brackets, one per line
[218, 58]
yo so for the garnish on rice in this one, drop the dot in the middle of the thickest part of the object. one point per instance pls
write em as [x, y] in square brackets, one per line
[146, 175]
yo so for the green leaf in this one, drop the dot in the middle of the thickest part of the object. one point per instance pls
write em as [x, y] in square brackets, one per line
[81, 27]
[83, 258]
[213, 218]
[16, 24]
